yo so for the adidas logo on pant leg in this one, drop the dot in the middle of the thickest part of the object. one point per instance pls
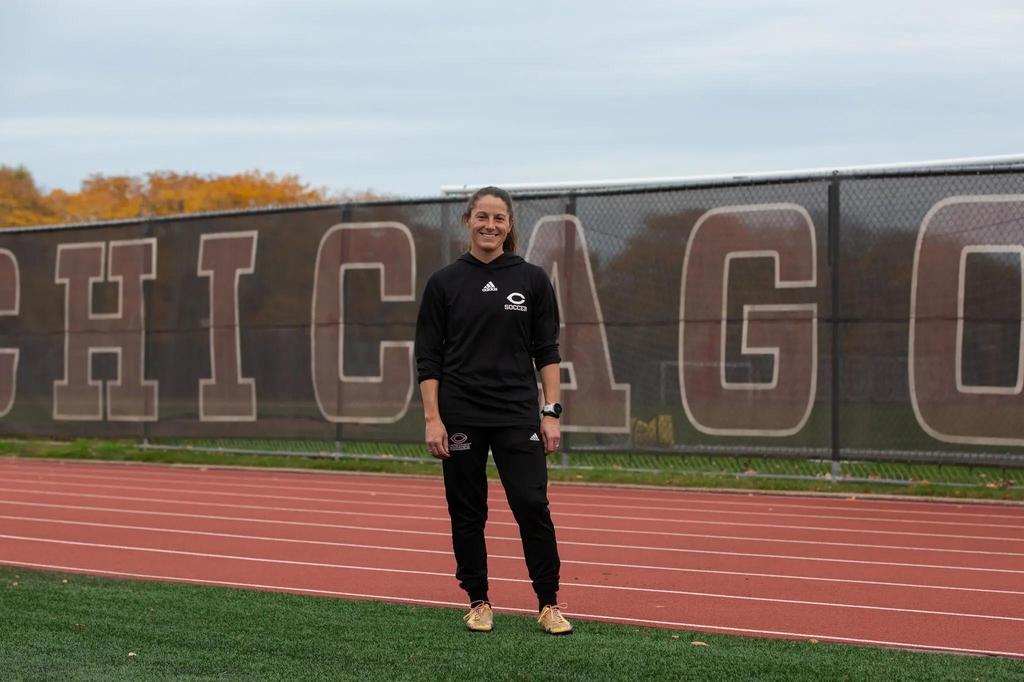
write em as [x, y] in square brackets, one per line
[534, 437]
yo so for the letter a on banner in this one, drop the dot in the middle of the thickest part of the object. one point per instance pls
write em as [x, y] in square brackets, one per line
[383, 399]
[947, 407]
[10, 300]
[788, 333]
[593, 402]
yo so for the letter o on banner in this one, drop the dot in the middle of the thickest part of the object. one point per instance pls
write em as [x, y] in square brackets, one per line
[945, 406]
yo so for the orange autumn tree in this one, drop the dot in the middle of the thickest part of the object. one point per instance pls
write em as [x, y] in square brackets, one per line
[120, 197]
[21, 204]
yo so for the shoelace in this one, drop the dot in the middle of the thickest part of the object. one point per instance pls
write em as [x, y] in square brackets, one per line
[475, 609]
[556, 613]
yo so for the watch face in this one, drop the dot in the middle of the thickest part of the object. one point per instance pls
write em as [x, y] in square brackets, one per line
[554, 408]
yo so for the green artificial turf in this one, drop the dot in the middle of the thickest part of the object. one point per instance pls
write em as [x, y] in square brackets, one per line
[74, 628]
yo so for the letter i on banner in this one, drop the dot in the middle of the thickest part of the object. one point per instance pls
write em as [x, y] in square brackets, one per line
[10, 301]
[594, 402]
[223, 258]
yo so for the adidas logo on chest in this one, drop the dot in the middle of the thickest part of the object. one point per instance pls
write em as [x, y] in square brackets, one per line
[489, 287]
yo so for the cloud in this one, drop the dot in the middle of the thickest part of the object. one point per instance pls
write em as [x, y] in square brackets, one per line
[408, 95]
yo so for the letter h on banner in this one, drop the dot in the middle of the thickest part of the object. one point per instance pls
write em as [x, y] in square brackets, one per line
[78, 396]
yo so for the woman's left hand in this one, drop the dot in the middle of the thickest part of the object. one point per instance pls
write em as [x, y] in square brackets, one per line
[550, 434]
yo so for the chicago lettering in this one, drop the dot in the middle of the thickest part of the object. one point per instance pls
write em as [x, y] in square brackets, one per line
[948, 403]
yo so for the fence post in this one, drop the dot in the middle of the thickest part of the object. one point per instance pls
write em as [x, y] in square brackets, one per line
[147, 307]
[834, 251]
[446, 238]
[570, 209]
[339, 437]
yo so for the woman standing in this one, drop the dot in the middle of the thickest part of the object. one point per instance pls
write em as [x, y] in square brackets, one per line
[485, 321]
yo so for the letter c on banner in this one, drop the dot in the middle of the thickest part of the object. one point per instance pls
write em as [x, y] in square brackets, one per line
[383, 399]
[10, 302]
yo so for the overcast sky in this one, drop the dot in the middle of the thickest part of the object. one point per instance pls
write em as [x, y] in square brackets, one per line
[405, 96]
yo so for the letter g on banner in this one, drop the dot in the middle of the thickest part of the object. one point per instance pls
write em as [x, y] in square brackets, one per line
[788, 333]
[362, 399]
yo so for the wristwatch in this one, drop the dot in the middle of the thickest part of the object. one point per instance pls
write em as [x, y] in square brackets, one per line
[552, 410]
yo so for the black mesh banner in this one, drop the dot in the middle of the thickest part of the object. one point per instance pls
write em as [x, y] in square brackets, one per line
[871, 317]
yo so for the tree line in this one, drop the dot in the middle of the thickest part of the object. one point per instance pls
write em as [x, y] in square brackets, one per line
[121, 197]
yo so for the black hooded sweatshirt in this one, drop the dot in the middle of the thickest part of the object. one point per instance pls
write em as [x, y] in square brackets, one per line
[481, 330]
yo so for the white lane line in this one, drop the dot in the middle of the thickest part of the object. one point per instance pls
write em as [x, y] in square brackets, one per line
[752, 555]
[686, 510]
[574, 585]
[378, 529]
[240, 519]
[661, 549]
[761, 501]
[448, 553]
[829, 529]
[240, 536]
[556, 496]
[462, 605]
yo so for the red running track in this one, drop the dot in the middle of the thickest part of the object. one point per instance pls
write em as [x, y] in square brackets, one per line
[931, 576]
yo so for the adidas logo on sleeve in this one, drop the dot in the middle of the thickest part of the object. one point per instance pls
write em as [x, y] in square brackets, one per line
[489, 287]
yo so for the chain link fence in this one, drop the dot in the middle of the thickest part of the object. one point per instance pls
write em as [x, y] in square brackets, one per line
[808, 327]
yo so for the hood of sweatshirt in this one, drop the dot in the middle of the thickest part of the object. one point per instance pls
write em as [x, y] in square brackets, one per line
[505, 260]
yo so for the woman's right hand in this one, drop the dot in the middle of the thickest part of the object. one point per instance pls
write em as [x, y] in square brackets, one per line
[437, 439]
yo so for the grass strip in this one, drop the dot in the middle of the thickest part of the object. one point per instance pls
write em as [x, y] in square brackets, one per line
[125, 451]
[76, 628]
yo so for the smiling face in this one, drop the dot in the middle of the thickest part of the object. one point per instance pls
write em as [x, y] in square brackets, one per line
[489, 222]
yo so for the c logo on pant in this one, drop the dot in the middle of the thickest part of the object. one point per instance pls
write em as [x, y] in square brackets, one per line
[458, 442]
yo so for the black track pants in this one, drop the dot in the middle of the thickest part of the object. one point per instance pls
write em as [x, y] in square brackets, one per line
[523, 469]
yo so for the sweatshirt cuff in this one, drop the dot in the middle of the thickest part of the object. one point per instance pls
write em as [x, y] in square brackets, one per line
[545, 360]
